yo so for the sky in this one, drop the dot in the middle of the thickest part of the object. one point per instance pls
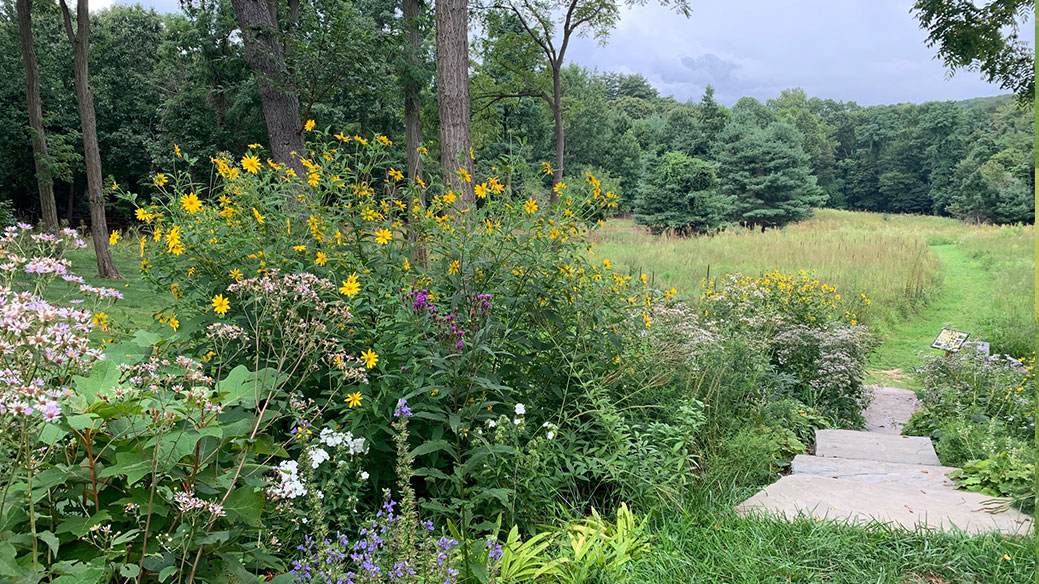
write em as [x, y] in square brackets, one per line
[867, 51]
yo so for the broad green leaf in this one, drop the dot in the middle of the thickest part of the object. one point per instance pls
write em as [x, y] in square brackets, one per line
[135, 465]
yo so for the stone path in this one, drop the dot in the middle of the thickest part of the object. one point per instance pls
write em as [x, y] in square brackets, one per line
[880, 476]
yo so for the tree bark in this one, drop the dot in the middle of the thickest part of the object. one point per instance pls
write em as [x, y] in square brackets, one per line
[412, 90]
[80, 39]
[557, 115]
[257, 20]
[44, 178]
[452, 59]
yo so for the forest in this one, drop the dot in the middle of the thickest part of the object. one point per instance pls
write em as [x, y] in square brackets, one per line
[183, 79]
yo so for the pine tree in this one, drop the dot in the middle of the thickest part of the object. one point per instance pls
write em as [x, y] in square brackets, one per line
[767, 172]
[682, 196]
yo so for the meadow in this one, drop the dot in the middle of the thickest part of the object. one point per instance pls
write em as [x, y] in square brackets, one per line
[920, 273]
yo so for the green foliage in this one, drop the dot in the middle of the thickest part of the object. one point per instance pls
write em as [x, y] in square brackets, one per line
[682, 196]
[763, 167]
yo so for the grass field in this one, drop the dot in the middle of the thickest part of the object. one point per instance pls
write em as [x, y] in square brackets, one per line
[921, 273]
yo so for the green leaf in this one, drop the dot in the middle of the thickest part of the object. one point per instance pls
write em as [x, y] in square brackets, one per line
[50, 539]
[129, 570]
[82, 421]
[51, 434]
[104, 375]
[167, 572]
[80, 526]
[8, 567]
[431, 446]
[135, 465]
[245, 504]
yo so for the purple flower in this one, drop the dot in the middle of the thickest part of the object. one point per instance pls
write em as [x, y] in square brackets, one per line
[402, 411]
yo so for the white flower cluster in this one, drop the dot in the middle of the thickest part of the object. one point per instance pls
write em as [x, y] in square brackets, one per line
[317, 455]
[520, 410]
[290, 484]
[550, 430]
[333, 439]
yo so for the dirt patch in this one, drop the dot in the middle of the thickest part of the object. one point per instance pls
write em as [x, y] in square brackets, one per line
[896, 374]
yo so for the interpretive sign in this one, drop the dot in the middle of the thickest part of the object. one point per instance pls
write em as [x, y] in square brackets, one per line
[949, 340]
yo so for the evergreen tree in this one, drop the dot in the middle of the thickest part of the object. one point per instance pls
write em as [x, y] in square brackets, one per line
[766, 171]
[682, 196]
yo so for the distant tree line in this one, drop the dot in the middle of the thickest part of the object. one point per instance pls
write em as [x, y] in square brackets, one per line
[370, 67]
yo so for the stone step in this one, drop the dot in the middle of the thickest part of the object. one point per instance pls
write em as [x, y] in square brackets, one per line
[923, 476]
[889, 409]
[875, 446]
[898, 505]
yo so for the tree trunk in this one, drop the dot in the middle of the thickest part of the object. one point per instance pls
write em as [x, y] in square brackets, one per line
[44, 179]
[80, 39]
[266, 57]
[412, 90]
[452, 59]
[71, 201]
[557, 114]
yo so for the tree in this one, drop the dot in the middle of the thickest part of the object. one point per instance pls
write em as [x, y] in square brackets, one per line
[411, 85]
[456, 142]
[258, 21]
[712, 118]
[594, 18]
[38, 136]
[765, 170]
[682, 196]
[80, 40]
[982, 38]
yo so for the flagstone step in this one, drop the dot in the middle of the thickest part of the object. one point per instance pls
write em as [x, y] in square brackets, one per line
[892, 503]
[923, 476]
[875, 446]
[889, 409]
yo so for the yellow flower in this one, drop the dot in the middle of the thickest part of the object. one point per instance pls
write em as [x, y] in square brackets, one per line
[360, 140]
[496, 186]
[453, 268]
[531, 206]
[175, 290]
[321, 258]
[255, 145]
[450, 197]
[190, 203]
[161, 179]
[350, 286]
[309, 125]
[342, 137]
[113, 238]
[560, 186]
[472, 156]
[174, 323]
[115, 186]
[422, 150]
[354, 399]
[546, 168]
[407, 264]
[220, 304]
[380, 139]
[314, 179]
[235, 274]
[259, 218]
[395, 174]
[464, 175]
[383, 236]
[481, 190]
[176, 150]
[251, 163]
[371, 359]
[606, 263]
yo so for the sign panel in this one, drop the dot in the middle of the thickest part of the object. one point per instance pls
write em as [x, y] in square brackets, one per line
[949, 340]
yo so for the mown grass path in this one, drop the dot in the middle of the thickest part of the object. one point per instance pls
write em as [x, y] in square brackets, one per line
[968, 288]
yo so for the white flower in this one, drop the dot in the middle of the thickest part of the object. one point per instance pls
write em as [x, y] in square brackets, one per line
[517, 421]
[521, 409]
[364, 475]
[550, 434]
[491, 423]
[317, 456]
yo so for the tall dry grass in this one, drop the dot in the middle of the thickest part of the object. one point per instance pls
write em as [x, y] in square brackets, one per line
[886, 257]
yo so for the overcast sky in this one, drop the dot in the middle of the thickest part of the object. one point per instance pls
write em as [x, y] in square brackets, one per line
[867, 51]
